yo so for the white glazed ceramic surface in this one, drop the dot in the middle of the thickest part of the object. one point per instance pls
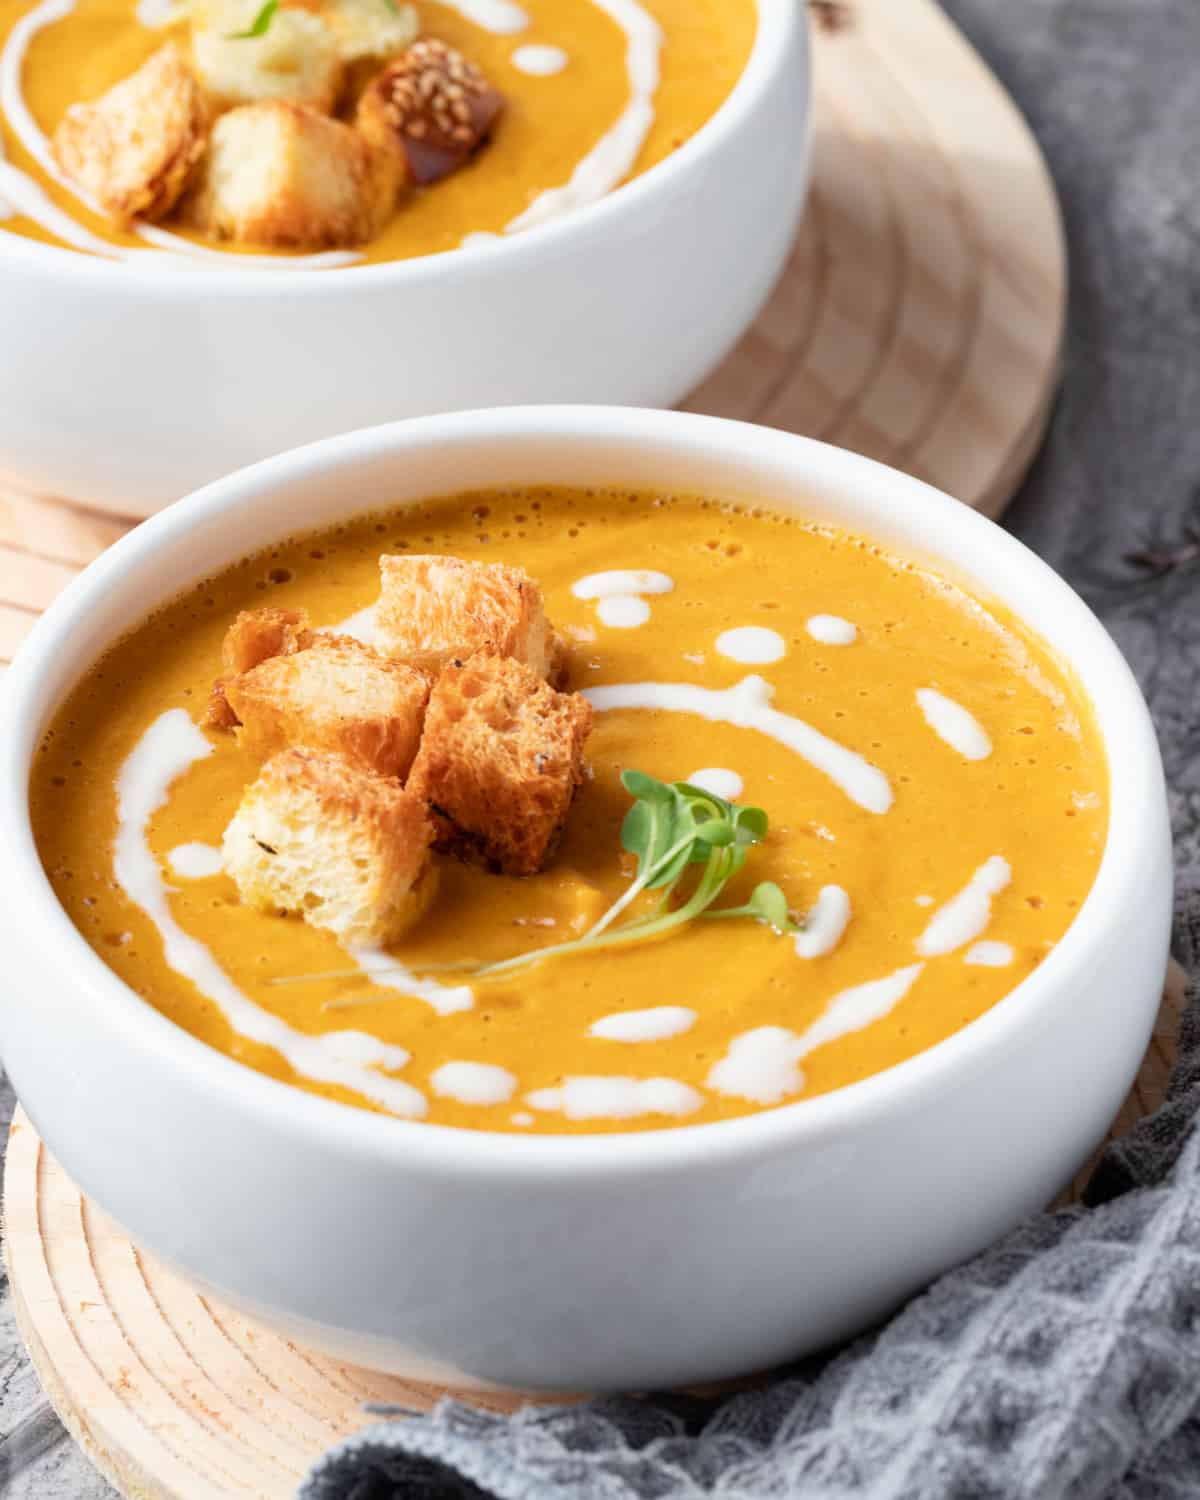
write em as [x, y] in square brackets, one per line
[123, 386]
[613, 1261]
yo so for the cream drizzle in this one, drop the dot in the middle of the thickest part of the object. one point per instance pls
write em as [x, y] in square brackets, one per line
[966, 915]
[748, 706]
[350, 1060]
[752, 645]
[195, 861]
[825, 924]
[473, 1083]
[719, 781]
[623, 611]
[613, 157]
[362, 626]
[540, 62]
[622, 581]
[763, 1065]
[832, 630]
[594, 1097]
[653, 1025]
[31, 199]
[382, 969]
[952, 723]
[619, 594]
[990, 955]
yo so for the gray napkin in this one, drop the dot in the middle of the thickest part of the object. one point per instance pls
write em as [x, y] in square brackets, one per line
[1065, 1362]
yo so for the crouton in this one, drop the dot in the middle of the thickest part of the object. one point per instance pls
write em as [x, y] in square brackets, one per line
[295, 57]
[432, 107]
[501, 757]
[337, 696]
[218, 714]
[133, 149]
[281, 175]
[433, 610]
[254, 636]
[258, 634]
[370, 31]
[345, 849]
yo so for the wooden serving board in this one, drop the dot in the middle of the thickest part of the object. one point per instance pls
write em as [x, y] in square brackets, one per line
[919, 320]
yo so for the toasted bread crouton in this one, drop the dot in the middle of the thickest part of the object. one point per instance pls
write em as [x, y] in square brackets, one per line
[370, 31]
[134, 148]
[344, 848]
[501, 757]
[295, 58]
[432, 107]
[284, 176]
[218, 714]
[433, 610]
[258, 634]
[254, 636]
[337, 695]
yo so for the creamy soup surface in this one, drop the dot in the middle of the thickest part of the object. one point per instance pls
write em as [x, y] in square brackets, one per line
[568, 69]
[918, 915]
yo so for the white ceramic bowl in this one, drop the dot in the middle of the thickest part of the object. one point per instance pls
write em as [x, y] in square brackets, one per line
[124, 386]
[612, 1261]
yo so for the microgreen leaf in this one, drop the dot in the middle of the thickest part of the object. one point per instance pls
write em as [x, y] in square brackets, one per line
[392, 6]
[259, 26]
[767, 904]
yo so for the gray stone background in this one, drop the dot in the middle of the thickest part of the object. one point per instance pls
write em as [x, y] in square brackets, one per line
[1112, 89]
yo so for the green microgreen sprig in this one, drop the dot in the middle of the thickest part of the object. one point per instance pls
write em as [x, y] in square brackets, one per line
[259, 26]
[671, 827]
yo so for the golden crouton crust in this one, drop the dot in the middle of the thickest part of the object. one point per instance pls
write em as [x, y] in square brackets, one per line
[217, 712]
[434, 610]
[134, 148]
[258, 634]
[432, 106]
[366, 875]
[335, 695]
[322, 186]
[500, 760]
[254, 636]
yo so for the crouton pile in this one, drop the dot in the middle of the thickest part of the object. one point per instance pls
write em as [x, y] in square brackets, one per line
[455, 734]
[294, 124]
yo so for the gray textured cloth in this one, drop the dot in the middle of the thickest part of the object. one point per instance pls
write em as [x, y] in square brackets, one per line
[1066, 1361]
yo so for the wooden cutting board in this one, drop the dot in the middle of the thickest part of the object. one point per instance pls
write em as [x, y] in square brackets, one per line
[919, 321]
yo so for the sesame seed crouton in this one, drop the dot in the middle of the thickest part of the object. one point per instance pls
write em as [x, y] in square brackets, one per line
[345, 849]
[337, 695]
[431, 106]
[501, 757]
[284, 176]
[296, 58]
[134, 148]
[433, 610]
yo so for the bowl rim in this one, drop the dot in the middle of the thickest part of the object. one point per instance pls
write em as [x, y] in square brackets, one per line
[1136, 767]
[782, 27]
